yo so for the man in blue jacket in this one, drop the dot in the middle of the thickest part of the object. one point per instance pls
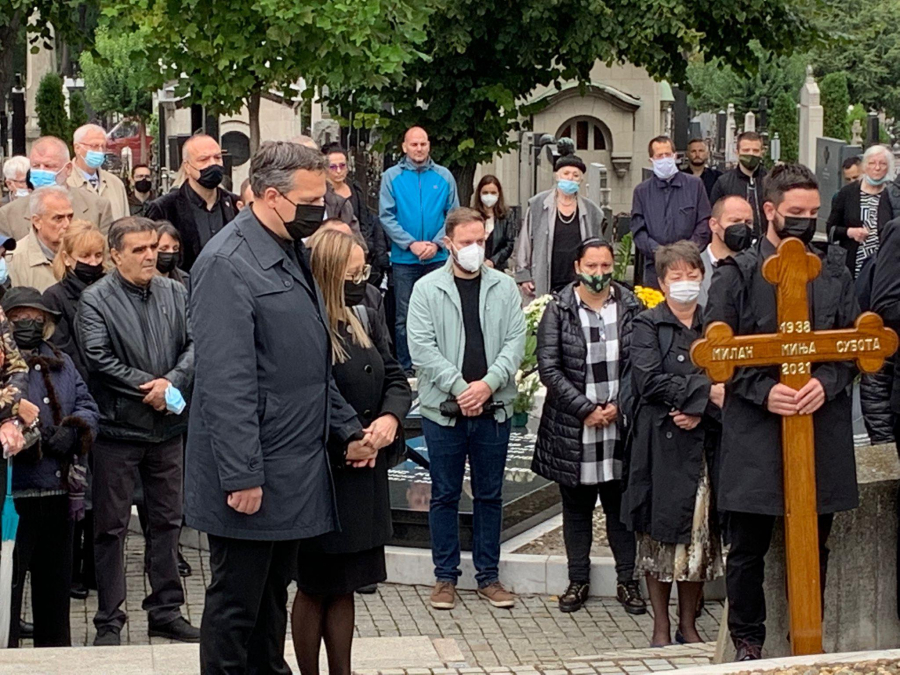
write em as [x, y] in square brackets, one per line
[416, 195]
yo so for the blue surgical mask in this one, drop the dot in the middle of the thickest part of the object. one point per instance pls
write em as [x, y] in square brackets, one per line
[174, 400]
[94, 159]
[567, 187]
[875, 182]
[4, 271]
[42, 177]
[665, 168]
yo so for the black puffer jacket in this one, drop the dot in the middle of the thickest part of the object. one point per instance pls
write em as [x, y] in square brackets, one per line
[562, 354]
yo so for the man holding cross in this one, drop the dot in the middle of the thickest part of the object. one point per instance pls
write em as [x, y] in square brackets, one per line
[751, 488]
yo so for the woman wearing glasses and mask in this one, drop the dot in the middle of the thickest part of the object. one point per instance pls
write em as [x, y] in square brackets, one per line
[333, 566]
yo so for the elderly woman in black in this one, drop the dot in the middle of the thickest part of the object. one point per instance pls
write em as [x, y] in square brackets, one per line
[583, 346]
[668, 500]
[332, 566]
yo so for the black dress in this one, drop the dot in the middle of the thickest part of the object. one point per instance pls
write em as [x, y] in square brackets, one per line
[341, 562]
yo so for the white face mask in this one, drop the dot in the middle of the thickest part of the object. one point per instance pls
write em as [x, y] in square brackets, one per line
[489, 199]
[470, 258]
[684, 292]
[665, 168]
[22, 192]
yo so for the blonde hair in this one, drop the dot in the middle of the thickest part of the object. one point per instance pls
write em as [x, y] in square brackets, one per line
[80, 237]
[330, 254]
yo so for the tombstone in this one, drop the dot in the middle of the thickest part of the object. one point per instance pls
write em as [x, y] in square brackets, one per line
[763, 121]
[681, 119]
[750, 121]
[830, 155]
[730, 129]
[812, 120]
[37, 64]
[873, 129]
[721, 123]
[17, 124]
[856, 132]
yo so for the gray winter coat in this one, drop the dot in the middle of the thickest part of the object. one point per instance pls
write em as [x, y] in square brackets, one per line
[265, 401]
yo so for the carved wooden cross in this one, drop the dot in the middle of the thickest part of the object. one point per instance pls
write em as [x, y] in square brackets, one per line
[795, 347]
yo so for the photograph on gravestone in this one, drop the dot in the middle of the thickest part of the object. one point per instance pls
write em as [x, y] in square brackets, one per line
[830, 156]
[794, 348]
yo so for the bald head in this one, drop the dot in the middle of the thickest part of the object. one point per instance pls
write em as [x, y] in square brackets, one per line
[198, 145]
[416, 145]
[305, 141]
[50, 154]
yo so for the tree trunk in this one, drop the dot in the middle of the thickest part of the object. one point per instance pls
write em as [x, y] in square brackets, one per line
[8, 42]
[65, 59]
[464, 175]
[145, 155]
[253, 111]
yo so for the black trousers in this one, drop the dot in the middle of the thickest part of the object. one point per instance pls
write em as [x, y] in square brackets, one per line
[43, 547]
[245, 616]
[160, 468]
[750, 535]
[578, 529]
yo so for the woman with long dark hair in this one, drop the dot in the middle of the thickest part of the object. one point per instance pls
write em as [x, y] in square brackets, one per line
[499, 224]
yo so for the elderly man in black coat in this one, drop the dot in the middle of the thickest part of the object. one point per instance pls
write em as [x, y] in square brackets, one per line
[750, 472]
[265, 403]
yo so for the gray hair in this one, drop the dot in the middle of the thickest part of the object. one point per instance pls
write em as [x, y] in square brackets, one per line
[276, 162]
[15, 167]
[874, 150]
[37, 198]
[83, 130]
[61, 148]
[128, 225]
[305, 141]
[186, 148]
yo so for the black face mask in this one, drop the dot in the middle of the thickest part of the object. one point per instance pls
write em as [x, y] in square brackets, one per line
[211, 176]
[144, 185]
[167, 261]
[354, 293]
[802, 228]
[738, 237]
[88, 273]
[307, 219]
[28, 333]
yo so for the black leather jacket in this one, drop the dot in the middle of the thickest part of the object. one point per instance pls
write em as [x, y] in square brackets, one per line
[128, 336]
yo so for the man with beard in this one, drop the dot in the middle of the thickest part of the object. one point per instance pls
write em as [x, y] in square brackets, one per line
[731, 226]
[698, 156]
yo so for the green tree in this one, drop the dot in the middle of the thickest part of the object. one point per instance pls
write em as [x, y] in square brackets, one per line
[50, 105]
[483, 58]
[784, 121]
[224, 57]
[77, 111]
[835, 100]
[118, 78]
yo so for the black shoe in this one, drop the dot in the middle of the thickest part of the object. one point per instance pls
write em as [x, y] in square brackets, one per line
[184, 569]
[78, 591]
[368, 590]
[179, 630]
[747, 651]
[574, 597]
[108, 636]
[629, 594]
[679, 638]
[26, 630]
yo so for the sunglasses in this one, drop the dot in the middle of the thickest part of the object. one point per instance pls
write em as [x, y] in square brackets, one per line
[337, 167]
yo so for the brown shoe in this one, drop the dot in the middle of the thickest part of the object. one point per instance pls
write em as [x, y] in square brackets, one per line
[497, 595]
[443, 596]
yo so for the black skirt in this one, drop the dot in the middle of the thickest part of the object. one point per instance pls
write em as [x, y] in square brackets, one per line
[321, 573]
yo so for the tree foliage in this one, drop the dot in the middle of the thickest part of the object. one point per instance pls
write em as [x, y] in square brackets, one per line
[118, 79]
[483, 58]
[78, 115]
[50, 105]
[835, 100]
[784, 121]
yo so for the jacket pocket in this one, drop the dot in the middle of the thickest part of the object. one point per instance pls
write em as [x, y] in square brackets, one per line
[135, 413]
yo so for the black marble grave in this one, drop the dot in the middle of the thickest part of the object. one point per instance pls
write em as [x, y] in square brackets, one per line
[528, 499]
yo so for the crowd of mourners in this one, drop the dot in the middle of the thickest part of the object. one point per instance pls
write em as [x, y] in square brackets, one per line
[243, 364]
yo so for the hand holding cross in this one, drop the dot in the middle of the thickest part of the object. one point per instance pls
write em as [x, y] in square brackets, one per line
[794, 348]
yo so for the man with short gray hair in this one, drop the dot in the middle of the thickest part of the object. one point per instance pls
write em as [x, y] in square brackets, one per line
[15, 171]
[89, 141]
[258, 477]
[51, 214]
[133, 330]
[51, 165]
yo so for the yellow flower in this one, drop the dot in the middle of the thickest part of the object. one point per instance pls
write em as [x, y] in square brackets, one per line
[650, 297]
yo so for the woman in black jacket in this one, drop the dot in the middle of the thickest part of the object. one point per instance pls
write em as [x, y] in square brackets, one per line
[499, 223]
[583, 345]
[332, 566]
[168, 256]
[668, 500]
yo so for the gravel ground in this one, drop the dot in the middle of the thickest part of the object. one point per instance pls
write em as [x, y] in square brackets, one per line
[883, 667]
[552, 542]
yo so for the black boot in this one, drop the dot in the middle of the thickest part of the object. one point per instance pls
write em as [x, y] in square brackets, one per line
[629, 594]
[574, 597]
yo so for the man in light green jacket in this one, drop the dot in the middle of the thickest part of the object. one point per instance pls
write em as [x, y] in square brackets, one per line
[466, 334]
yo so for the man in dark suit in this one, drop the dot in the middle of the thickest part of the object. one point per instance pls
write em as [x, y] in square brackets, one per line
[258, 477]
[199, 209]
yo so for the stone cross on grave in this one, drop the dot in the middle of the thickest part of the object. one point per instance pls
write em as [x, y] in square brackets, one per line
[794, 348]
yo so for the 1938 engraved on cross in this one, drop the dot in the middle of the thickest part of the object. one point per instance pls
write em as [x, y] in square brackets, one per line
[794, 348]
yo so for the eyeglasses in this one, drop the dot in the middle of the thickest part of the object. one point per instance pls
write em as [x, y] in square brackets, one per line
[362, 275]
[338, 167]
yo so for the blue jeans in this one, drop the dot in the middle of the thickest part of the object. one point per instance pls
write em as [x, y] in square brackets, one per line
[405, 277]
[485, 442]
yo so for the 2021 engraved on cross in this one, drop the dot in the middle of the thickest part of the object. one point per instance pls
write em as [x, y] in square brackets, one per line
[795, 347]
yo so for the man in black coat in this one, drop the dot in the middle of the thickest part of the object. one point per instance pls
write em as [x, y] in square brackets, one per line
[265, 402]
[750, 481]
[199, 209]
[747, 179]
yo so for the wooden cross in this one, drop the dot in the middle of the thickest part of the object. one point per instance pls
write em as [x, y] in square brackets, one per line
[795, 347]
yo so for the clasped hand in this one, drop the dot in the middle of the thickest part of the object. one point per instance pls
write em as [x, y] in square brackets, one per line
[786, 402]
[380, 434]
[602, 416]
[156, 393]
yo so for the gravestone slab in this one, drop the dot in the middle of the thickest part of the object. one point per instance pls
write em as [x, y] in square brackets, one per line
[830, 155]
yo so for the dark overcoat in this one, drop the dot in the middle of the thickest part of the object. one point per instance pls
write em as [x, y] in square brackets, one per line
[665, 461]
[751, 467]
[265, 400]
